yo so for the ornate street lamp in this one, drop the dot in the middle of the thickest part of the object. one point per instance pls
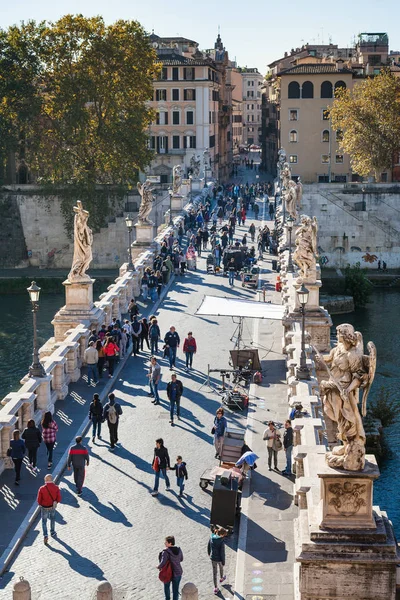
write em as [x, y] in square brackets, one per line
[303, 372]
[170, 192]
[290, 221]
[129, 224]
[36, 369]
[191, 187]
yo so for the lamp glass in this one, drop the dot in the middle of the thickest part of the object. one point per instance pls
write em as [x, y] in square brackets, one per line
[303, 294]
[34, 292]
[129, 221]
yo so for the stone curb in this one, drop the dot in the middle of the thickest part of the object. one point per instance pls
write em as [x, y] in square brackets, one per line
[32, 514]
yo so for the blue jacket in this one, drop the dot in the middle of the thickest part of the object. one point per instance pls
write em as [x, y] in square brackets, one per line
[17, 448]
[220, 426]
[172, 339]
[216, 548]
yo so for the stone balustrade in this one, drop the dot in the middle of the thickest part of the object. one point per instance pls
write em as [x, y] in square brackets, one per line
[63, 358]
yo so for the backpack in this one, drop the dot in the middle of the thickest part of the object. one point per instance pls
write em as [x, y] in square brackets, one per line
[112, 414]
[165, 575]
[257, 377]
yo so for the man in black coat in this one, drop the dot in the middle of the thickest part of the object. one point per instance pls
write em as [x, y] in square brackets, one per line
[174, 393]
[288, 446]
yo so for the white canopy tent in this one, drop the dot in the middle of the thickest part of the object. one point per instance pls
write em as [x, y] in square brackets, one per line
[218, 306]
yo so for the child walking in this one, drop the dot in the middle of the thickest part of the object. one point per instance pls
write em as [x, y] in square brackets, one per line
[181, 474]
[216, 552]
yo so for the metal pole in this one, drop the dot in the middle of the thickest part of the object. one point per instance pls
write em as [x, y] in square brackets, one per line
[303, 372]
[290, 262]
[170, 209]
[36, 369]
[131, 266]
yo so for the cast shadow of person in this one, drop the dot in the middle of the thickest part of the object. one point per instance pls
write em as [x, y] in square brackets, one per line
[111, 512]
[77, 562]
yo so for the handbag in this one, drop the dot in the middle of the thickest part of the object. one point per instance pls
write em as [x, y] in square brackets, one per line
[55, 503]
[278, 443]
[213, 431]
[156, 464]
[9, 452]
[166, 574]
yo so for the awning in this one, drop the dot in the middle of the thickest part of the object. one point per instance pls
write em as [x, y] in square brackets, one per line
[218, 306]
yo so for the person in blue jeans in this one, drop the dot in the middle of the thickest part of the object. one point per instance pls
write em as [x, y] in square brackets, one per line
[154, 335]
[161, 464]
[181, 474]
[96, 416]
[48, 495]
[174, 393]
[154, 379]
[172, 340]
[174, 555]
[231, 272]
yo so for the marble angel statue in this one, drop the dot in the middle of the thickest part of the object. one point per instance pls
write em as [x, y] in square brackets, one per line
[146, 193]
[83, 240]
[195, 163]
[299, 192]
[176, 179]
[306, 252]
[286, 175]
[290, 197]
[348, 370]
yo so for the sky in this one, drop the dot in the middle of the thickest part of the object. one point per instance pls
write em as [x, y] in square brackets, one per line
[255, 33]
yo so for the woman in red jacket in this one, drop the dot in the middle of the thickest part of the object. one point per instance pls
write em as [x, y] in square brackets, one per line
[189, 348]
[110, 350]
[243, 211]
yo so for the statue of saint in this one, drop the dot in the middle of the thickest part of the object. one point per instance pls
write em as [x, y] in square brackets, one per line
[146, 193]
[306, 252]
[176, 179]
[83, 240]
[286, 175]
[290, 197]
[348, 370]
[195, 163]
[299, 192]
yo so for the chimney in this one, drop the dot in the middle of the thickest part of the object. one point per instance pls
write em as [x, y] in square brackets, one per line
[339, 64]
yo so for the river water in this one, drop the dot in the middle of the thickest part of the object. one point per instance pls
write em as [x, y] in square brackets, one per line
[379, 323]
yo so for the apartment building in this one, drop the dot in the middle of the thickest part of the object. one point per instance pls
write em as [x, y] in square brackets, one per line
[252, 81]
[191, 99]
[296, 100]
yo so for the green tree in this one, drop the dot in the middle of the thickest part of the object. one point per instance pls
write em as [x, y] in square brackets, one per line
[369, 118]
[357, 284]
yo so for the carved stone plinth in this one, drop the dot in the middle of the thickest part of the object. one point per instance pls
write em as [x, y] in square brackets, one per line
[176, 204]
[78, 308]
[347, 497]
[145, 232]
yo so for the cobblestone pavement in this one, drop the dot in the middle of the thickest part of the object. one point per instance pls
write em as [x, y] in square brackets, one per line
[116, 529]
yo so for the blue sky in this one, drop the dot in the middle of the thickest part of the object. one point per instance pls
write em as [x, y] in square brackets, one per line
[255, 32]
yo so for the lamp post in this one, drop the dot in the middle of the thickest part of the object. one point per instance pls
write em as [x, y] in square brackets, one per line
[36, 369]
[129, 224]
[303, 372]
[170, 192]
[191, 187]
[290, 221]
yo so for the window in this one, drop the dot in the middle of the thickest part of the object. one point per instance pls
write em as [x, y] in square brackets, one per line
[339, 159]
[175, 73]
[212, 141]
[162, 144]
[325, 136]
[189, 117]
[374, 59]
[189, 94]
[250, 94]
[215, 96]
[161, 95]
[175, 94]
[307, 90]
[340, 84]
[293, 114]
[161, 118]
[325, 114]
[175, 117]
[325, 159]
[324, 179]
[250, 129]
[228, 136]
[189, 73]
[164, 73]
[294, 90]
[175, 142]
[339, 135]
[152, 142]
[326, 89]
[189, 141]
[293, 136]
[293, 159]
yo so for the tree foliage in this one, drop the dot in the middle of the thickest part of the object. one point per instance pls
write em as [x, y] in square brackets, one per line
[369, 118]
[385, 407]
[357, 284]
[73, 99]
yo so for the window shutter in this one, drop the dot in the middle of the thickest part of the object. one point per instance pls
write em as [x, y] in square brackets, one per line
[185, 141]
[194, 94]
[166, 144]
[158, 145]
[165, 118]
[193, 141]
[184, 72]
[185, 94]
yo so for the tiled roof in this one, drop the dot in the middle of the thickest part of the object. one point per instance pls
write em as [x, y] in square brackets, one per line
[314, 69]
[176, 60]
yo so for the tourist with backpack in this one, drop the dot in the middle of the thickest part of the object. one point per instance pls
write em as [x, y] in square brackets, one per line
[216, 552]
[112, 412]
[170, 568]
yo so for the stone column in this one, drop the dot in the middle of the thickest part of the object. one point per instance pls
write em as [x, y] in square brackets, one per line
[104, 591]
[43, 393]
[6, 435]
[59, 384]
[137, 277]
[190, 592]
[115, 307]
[22, 590]
[73, 369]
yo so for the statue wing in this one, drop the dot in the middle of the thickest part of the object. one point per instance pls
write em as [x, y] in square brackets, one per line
[370, 362]
[139, 187]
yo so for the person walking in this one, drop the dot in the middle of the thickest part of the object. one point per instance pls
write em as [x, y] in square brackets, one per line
[78, 458]
[174, 393]
[154, 334]
[110, 350]
[189, 348]
[144, 334]
[111, 414]
[49, 435]
[252, 232]
[274, 443]
[91, 358]
[231, 272]
[136, 333]
[101, 358]
[172, 554]
[172, 340]
[271, 211]
[48, 498]
[17, 452]
[216, 552]
[288, 446]
[96, 416]
[161, 464]
[181, 474]
[220, 424]
[32, 438]
[154, 379]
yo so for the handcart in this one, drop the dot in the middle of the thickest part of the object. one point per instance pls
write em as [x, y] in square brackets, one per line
[231, 452]
[250, 276]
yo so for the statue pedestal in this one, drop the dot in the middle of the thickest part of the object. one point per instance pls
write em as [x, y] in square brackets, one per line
[176, 204]
[347, 497]
[145, 233]
[197, 185]
[78, 308]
